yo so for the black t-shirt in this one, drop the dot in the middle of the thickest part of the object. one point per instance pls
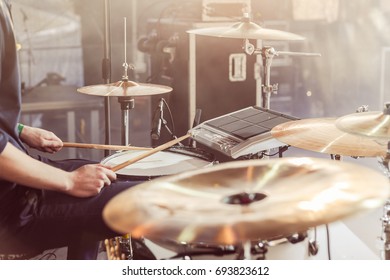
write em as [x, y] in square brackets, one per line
[10, 99]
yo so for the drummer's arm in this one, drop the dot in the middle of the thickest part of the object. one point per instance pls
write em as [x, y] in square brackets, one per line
[20, 168]
[40, 139]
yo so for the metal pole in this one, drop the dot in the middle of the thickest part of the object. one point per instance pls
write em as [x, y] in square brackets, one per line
[107, 71]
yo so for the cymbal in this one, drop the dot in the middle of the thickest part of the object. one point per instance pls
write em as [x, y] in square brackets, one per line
[322, 135]
[369, 124]
[247, 30]
[125, 88]
[234, 202]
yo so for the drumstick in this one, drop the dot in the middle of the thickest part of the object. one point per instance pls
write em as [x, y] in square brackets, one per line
[149, 153]
[102, 147]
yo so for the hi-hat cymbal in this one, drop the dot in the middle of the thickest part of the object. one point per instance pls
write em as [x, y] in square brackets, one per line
[125, 88]
[322, 135]
[234, 202]
[247, 30]
[369, 124]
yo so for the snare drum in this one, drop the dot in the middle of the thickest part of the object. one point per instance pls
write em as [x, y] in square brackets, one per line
[171, 161]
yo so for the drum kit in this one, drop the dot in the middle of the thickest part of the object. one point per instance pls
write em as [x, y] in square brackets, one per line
[241, 202]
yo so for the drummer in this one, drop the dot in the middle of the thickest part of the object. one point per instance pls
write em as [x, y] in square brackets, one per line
[44, 204]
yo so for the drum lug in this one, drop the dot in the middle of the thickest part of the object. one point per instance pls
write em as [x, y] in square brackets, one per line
[313, 248]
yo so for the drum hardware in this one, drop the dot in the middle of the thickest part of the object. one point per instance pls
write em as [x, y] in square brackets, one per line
[125, 90]
[299, 193]
[196, 122]
[159, 120]
[106, 71]
[385, 238]
[313, 244]
[374, 125]
[189, 251]
[313, 247]
[268, 53]
[116, 249]
[249, 30]
[127, 248]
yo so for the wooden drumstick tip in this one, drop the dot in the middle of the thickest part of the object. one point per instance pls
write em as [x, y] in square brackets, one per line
[149, 153]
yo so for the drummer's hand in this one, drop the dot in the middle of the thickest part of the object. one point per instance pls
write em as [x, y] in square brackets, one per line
[40, 139]
[89, 180]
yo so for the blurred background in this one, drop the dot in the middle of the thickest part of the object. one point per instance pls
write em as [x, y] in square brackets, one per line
[62, 46]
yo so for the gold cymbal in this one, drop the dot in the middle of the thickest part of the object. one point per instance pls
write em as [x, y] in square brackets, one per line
[125, 88]
[322, 135]
[238, 201]
[247, 30]
[369, 124]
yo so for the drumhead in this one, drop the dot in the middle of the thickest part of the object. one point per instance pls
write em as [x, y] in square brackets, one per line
[171, 161]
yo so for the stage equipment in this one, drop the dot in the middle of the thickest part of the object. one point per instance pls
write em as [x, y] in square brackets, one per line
[247, 30]
[224, 10]
[322, 135]
[246, 131]
[173, 160]
[125, 90]
[370, 124]
[241, 201]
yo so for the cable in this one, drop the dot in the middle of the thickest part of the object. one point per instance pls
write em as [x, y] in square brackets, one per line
[328, 241]
[170, 116]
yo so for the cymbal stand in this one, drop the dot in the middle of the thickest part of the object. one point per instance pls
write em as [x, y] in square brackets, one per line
[268, 53]
[385, 238]
[127, 102]
[245, 251]
[106, 65]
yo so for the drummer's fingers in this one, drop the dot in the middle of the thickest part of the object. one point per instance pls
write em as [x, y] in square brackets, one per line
[111, 175]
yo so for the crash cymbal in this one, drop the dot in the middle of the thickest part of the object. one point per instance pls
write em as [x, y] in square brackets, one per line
[247, 30]
[238, 201]
[125, 88]
[369, 124]
[322, 135]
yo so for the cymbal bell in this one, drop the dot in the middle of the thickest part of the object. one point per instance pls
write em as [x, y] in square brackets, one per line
[238, 201]
[247, 30]
[369, 124]
[125, 88]
[322, 135]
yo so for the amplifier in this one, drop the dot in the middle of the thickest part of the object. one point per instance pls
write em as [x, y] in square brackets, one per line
[243, 132]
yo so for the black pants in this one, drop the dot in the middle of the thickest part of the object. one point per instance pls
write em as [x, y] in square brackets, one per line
[61, 220]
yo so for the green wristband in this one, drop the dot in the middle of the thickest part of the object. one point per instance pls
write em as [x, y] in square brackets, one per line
[20, 128]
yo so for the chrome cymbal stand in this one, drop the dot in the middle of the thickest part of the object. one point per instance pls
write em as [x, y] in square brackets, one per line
[127, 102]
[268, 53]
[385, 237]
[106, 65]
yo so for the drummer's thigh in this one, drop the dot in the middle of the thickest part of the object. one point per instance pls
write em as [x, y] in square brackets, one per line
[63, 204]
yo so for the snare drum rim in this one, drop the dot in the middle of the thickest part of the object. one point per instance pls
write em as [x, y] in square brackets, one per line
[182, 150]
